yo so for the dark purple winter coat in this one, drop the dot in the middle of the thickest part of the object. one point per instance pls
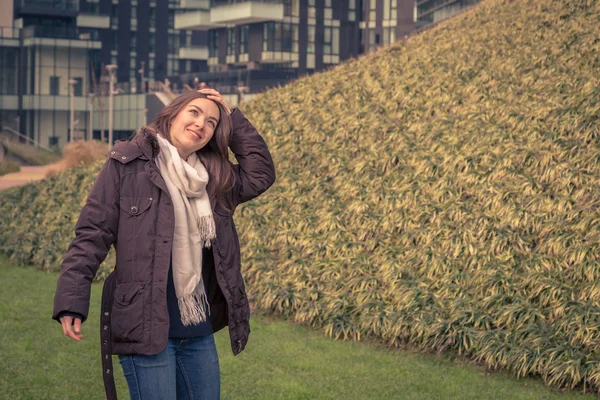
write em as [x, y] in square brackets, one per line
[129, 207]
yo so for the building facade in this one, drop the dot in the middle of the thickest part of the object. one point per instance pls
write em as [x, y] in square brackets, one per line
[54, 86]
[289, 38]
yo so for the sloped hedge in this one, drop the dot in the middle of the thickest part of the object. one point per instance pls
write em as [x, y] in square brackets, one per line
[7, 166]
[442, 192]
[38, 219]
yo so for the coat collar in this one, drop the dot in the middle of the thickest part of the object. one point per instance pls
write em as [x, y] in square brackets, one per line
[147, 142]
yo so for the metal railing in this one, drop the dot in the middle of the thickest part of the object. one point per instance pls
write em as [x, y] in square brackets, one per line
[431, 25]
[8, 32]
[57, 32]
[427, 7]
[69, 5]
[219, 3]
[23, 137]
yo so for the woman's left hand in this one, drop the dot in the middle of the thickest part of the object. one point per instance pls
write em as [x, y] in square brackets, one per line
[216, 96]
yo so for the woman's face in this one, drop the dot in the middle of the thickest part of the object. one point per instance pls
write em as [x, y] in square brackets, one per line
[194, 126]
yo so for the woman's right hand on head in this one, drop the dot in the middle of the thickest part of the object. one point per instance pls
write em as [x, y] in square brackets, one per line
[68, 323]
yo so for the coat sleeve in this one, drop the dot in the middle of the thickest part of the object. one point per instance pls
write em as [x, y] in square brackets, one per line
[255, 171]
[95, 232]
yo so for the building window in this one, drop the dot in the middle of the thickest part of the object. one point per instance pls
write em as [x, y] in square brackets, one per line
[311, 39]
[213, 43]
[54, 85]
[78, 87]
[171, 18]
[115, 39]
[173, 44]
[291, 8]
[114, 18]
[151, 42]
[390, 10]
[244, 39]
[372, 10]
[287, 8]
[92, 7]
[280, 36]
[328, 12]
[172, 66]
[152, 17]
[231, 41]
[389, 35]
[352, 10]
[331, 42]
[132, 43]
[134, 17]
[312, 9]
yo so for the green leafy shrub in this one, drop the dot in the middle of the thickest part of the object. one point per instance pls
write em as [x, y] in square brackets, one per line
[39, 218]
[441, 192]
[7, 166]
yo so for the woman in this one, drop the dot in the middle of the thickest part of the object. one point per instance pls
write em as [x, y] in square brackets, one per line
[165, 199]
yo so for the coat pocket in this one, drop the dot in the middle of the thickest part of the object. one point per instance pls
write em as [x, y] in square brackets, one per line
[127, 319]
[135, 206]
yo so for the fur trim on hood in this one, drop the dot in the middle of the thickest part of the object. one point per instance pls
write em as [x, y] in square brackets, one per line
[146, 139]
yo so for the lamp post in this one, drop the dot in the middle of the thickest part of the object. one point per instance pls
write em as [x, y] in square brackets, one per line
[91, 123]
[72, 83]
[111, 68]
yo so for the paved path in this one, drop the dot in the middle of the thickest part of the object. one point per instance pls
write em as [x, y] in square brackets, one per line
[26, 175]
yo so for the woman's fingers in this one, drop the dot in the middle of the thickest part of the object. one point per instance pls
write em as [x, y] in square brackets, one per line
[209, 90]
[67, 325]
[64, 325]
[77, 326]
[216, 96]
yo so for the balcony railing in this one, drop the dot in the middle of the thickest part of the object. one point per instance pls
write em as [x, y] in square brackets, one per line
[427, 7]
[57, 32]
[93, 20]
[67, 5]
[194, 4]
[237, 12]
[218, 3]
[193, 53]
[195, 19]
[8, 32]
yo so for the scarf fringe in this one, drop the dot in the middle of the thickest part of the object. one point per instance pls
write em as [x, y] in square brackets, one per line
[193, 308]
[207, 229]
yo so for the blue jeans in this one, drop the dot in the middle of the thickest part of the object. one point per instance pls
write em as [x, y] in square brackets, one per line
[185, 369]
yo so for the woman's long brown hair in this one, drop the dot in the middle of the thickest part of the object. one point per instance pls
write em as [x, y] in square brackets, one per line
[214, 156]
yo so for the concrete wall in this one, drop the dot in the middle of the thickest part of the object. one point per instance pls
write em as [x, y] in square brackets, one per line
[50, 123]
[64, 62]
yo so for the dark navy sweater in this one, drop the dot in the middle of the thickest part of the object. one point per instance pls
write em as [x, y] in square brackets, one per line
[176, 328]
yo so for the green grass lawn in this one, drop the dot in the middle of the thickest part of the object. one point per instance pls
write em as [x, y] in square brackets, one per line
[281, 361]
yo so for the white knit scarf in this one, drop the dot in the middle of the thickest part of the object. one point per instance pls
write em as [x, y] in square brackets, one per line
[194, 227]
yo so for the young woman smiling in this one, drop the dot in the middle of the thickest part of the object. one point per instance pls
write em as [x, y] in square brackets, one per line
[165, 200]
